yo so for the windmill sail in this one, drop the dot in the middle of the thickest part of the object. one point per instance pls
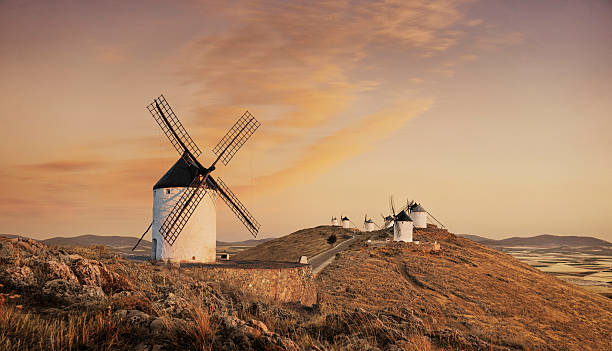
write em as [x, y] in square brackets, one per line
[236, 137]
[172, 127]
[237, 207]
[183, 209]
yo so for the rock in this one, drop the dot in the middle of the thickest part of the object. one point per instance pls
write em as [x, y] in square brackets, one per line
[175, 306]
[92, 272]
[19, 277]
[259, 325]
[135, 318]
[68, 292]
[49, 269]
[157, 326]
[157, 348]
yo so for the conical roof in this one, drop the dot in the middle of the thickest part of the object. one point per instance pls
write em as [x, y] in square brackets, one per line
[403, 217]
[345, 218]
[417, 208]
[179, 175]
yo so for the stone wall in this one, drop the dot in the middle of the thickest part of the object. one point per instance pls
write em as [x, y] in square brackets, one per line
[272, 281]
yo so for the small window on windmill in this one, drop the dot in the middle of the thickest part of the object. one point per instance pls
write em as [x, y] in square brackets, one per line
[167, 191]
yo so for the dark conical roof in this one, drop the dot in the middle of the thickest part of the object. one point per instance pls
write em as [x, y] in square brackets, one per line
[179, 175]
[417, 208]
[403, 217]
[345, 218]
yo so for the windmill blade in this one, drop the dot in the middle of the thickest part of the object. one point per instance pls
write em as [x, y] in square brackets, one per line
[392, 206]
[172, 127]
[236, 137]
[237, 207]
[440, 223]
[183, 209]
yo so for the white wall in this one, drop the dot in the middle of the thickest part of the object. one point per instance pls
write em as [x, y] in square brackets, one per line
[402, 231]
[419, 219]
[197, 241]
[346, 224]
[369, 227]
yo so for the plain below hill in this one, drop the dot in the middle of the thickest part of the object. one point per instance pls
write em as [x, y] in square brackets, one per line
[468, 294]
[305, 242]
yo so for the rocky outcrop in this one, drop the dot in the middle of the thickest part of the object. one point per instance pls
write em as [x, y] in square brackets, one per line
[29, 266]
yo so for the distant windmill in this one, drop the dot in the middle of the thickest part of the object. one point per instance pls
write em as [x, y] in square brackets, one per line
[184, 209]
[334, 221]
[346, 223]
[368, 224]
[419, 214]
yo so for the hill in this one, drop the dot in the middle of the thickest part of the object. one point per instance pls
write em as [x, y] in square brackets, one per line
[305, 242]
[466, 292]
[547, 240]
[476, 238]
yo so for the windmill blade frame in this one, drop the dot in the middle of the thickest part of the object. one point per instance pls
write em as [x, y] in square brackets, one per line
[236, 137]
[183, 209]
[173, 128]
[440, 223]
[231, 200]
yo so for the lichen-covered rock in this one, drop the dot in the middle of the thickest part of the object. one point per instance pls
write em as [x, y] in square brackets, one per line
[69, 292]
[174, 306]
[50, 269]
[92, 272]
[17, 277]
[135, 318]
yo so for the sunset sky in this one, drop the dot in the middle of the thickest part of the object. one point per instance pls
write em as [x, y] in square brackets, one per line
[495, 115]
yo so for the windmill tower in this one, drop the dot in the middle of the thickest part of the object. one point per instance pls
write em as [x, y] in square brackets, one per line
[402, 227]
[184, 207]
[334, 221]
[368, 224]
[418, 215]
[346, 223]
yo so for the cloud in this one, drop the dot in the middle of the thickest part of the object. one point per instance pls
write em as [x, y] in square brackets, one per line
[344, 144]
[109, 54]
[300, 62]
[62, 166]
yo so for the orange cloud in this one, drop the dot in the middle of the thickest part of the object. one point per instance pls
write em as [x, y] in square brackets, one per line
[344, 144]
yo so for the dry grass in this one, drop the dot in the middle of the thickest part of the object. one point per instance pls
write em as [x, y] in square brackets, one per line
[25, 331]
[305, 242]
[471, 291]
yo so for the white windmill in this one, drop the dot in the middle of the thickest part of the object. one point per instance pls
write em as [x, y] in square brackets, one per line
[334, 221]
[402, 225]
[184, 206]
[346, 223]
[419, 215]
[368, 224]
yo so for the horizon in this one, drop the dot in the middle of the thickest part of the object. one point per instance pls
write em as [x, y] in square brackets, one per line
[495, 116]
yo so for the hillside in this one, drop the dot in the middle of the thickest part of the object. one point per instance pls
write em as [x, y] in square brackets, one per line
[474, 295]
[305, 242]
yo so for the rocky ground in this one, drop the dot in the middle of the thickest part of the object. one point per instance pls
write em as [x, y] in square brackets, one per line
[392, 297]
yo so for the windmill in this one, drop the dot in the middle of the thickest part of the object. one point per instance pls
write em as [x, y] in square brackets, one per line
[346, 223]
[419, 214]
[184, 208]
[334, 221]
[402, 224]
[369, 225]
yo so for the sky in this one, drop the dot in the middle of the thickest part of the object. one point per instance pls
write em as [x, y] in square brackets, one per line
[495, 115]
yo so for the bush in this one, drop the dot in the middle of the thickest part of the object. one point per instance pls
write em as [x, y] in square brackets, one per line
[332, 239]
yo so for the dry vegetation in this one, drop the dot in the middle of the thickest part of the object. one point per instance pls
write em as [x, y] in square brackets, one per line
[305, 242]
[479, 297]
[396, 297]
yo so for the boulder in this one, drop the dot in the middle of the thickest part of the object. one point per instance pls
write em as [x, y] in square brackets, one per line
[17, 277]
[69, 292]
